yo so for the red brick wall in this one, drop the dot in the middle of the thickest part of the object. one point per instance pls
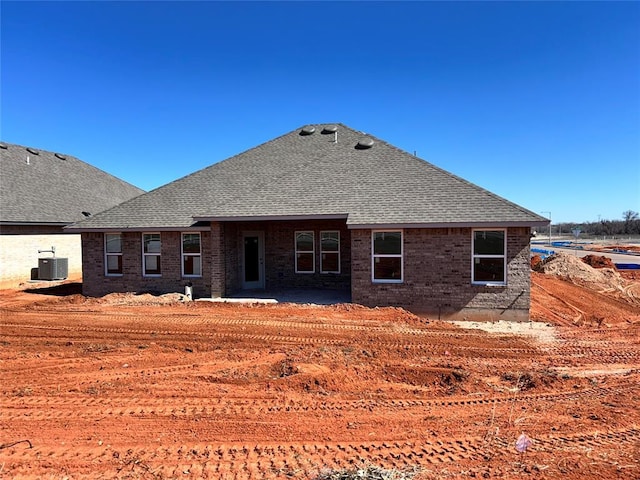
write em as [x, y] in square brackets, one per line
[437, 276]
[96, 283]
[437, 268]
[221, 274]
[215, 262]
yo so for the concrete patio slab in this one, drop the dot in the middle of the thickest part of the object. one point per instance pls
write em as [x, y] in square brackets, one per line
[301, 295]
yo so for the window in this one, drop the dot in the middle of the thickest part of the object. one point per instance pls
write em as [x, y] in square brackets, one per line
[329, 252]
[387, 256]
[489, 263]
[191, 256]
[151, 254]
[113, 253]
[305, 253]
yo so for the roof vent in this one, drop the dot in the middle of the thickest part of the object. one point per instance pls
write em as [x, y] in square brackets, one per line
[60, 156]
[308, 130]
[330, 129]
[33, 150]
[3, 146]
[365, 143]
[86, 214]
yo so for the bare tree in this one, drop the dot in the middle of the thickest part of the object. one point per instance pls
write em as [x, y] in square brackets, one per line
[630, 221]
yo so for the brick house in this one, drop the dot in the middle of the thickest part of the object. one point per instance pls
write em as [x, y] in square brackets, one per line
[40, 193]
[326, 207]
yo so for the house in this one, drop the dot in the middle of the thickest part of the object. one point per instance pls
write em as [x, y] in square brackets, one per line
[40, 193]
[323, 206]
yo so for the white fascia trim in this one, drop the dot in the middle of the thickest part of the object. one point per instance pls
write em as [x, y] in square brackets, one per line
[258, 218]
[398, 226]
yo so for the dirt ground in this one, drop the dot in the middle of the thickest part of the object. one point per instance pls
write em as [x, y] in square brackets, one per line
[150, 387]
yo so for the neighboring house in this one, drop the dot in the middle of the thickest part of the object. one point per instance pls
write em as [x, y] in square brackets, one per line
[40, 193]
[325, 207]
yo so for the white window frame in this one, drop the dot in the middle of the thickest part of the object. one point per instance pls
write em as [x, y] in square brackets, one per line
[381, 255]
[322, 252]
[150, 254]
[112, 254]
[503, 257]
[183, 254]
[312, 251]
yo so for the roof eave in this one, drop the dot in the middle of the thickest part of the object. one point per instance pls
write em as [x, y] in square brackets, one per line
[193, 228]
[31, 224]
[497, 224]
[264, 218]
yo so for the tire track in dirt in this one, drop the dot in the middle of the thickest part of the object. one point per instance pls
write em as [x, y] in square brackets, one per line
[84, 408]
[604, 352]
[375, 327]
[435, 346]
[266, 460]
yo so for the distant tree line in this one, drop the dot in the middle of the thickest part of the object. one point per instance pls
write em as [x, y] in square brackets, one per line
[629, 225]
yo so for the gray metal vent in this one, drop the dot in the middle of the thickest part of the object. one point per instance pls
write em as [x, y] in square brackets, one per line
[330, 129]
[60, 156]
[3, 146]
[33, 150]
[308, 130]
[365, 143]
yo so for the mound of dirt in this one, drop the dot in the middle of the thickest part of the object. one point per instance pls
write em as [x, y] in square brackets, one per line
[572, 268]
[443, 377]
[536, 260]
[599, 261]
[130, 298]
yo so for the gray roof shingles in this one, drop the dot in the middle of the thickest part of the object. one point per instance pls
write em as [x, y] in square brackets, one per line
[307, 175]
[41, 187]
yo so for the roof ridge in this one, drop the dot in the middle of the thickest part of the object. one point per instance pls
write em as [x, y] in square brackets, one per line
[264, 180]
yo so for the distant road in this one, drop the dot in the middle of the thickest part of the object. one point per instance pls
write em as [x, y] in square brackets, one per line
[615, 257]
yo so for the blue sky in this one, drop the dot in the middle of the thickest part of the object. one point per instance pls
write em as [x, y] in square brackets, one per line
[538, 102]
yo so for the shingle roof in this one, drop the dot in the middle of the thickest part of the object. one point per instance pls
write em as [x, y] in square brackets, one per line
[41, 187]
[311, 174]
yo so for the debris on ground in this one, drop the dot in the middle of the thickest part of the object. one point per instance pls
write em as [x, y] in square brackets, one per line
[367, 473]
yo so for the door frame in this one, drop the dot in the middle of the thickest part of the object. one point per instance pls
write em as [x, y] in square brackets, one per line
[260, 283]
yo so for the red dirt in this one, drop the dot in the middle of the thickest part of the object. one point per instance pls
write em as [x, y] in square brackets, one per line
[135, 387]
[599, 261]
[630, 274]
